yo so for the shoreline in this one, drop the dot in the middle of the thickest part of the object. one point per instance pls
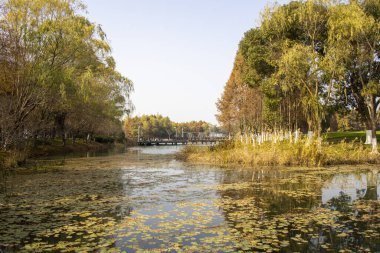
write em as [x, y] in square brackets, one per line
[20, 158]
[52, 150]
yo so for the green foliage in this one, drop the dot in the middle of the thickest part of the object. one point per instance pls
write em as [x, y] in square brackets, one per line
[306, 61]
[151, 126]
[353, 38]
[358, 136]
[102, 139]
[57, 73]
[160, 127]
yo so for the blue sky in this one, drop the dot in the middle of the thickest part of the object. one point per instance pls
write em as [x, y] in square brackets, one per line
[178, 53]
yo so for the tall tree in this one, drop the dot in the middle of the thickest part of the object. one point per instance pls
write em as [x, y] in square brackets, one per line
[354, 35]
[56, 65]
[239, 108]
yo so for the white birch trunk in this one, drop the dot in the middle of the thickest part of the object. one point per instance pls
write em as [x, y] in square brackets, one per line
[374, 145]
[368, 137]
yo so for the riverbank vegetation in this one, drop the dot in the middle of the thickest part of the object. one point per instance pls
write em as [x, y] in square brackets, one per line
[149, 127]
[58, 79]
[302, 153]
[310, 67]
[335, 148]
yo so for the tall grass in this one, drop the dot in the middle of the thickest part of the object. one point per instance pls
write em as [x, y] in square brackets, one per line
[284, 153]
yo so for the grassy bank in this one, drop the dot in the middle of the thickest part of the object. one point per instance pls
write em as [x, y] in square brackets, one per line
[284, 154]
[347, 136]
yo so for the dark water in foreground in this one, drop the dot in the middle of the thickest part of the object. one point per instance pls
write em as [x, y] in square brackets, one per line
[146, 201]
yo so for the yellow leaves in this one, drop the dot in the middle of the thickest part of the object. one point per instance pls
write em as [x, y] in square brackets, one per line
[62, 91]
[372, 88]
[348, 22]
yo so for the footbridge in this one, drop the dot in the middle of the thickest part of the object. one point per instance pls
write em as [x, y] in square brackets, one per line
[194, 141]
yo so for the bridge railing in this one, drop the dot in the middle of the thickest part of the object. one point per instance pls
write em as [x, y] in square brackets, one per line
[175, 141]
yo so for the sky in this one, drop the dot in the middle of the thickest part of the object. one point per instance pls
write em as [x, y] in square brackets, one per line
[178, 53]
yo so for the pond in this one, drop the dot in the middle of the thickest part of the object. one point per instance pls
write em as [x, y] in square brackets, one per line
[146, 200]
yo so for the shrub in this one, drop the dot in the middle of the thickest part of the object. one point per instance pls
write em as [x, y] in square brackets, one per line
[103, 139]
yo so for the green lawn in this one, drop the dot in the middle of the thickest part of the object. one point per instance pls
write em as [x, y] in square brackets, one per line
[338, 136]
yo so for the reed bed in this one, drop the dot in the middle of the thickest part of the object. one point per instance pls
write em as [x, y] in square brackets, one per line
[303, 153]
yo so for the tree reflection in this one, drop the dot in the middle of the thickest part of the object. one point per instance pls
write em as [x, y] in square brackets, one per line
[340, 203]
[286, 209]
[372, 185]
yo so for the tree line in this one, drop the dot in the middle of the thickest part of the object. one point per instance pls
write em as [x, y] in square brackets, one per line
[57, 75]
[150, 127]
[308, 62]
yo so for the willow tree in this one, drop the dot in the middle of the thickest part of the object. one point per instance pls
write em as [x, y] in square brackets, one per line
[297, 35]
[299, 69]
[354, 50]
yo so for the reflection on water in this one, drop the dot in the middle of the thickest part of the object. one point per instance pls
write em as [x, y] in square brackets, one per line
[355, 186]
[158, 150]
[144, 199]
[352, 185]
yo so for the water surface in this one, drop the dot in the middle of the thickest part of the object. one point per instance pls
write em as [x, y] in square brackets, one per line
[146, 200]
